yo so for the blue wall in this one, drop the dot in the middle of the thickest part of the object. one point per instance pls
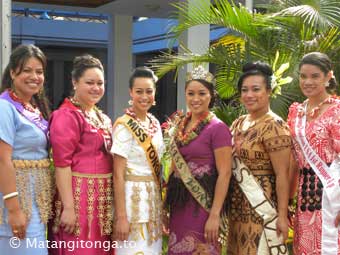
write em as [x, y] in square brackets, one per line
[58, 32]
[148, 35]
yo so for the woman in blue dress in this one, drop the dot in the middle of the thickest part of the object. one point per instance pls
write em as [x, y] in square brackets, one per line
[25, 179]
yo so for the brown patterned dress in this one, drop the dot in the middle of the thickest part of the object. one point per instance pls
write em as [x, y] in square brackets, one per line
[270, 133]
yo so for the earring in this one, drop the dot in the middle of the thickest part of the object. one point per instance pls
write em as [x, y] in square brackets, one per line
[154, 103]
[74, 88]
[12, 86]
[327, 84]
[130, 102]
[41, 93]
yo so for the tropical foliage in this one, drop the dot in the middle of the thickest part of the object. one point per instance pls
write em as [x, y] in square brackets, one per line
[280, 36]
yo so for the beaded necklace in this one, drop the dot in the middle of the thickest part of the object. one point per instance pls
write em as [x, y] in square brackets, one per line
[100, 122]
[313, 113]
[183, 138]
[152, 128]
[26, 106]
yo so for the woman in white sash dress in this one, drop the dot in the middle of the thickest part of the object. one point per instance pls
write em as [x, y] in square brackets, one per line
[315, 127]
[137, 199]
[262, 142]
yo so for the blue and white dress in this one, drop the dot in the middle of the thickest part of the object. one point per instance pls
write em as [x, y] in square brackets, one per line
[33, 180]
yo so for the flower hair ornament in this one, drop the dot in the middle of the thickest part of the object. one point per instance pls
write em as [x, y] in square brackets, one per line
[273, 81]
[199, 73]
[332, 77]
[277, 80]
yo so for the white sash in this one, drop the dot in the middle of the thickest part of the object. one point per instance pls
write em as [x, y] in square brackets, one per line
[269, 243]
[330, 177]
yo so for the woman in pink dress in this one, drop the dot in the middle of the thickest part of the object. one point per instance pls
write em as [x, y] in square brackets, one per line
[315, 127]
[81, 139]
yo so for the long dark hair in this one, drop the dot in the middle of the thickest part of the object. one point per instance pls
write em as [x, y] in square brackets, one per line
[17, 61]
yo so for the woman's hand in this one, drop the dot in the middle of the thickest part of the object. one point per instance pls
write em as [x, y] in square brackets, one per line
[122, 229]
[18, 222]
[223, 166]
[211, 228]
[165, 223]
[291, 215]
[337, 220]
[16, 217]
[282, 228]
[68, 220]
[64, 185]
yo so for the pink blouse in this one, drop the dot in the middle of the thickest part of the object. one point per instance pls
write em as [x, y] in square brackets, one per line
[323, 133]
[77, 144]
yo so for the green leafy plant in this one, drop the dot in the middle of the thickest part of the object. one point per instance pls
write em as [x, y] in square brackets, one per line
[280, 38]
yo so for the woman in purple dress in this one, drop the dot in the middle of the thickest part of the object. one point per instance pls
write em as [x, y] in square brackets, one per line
[201, 153]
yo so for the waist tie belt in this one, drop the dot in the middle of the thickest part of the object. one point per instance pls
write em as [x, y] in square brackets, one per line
[35, 164]
[96, 176]
[139, 178]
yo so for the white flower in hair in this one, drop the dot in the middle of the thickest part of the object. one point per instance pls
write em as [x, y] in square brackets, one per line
[273, 82]
[199, 73]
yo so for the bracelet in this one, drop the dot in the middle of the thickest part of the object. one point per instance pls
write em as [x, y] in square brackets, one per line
[10, 195]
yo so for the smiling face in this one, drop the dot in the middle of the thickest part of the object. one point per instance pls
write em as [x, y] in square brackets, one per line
[197, 97]
[89, 88]
[312, 80]
[30, 80]
[255, 95]
[142, 94]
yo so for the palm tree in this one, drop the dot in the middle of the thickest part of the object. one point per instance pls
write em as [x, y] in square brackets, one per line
[280, 38]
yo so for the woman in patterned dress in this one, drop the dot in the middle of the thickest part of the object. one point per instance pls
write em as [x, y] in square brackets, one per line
[81, 141]
[137, 148]
[262, 142]
[316, 124]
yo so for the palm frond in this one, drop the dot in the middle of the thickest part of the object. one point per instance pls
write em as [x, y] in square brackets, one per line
[229, 112]
[220, 13]
[228, 72]
[281, 103]
[324, 42]
[216, 54]
[298, 27]
[230, 39]
[169, 61]
[319, 14]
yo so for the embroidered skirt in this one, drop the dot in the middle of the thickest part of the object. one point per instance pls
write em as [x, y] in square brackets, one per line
[35, 186]
[93, 199]
[143, 204]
